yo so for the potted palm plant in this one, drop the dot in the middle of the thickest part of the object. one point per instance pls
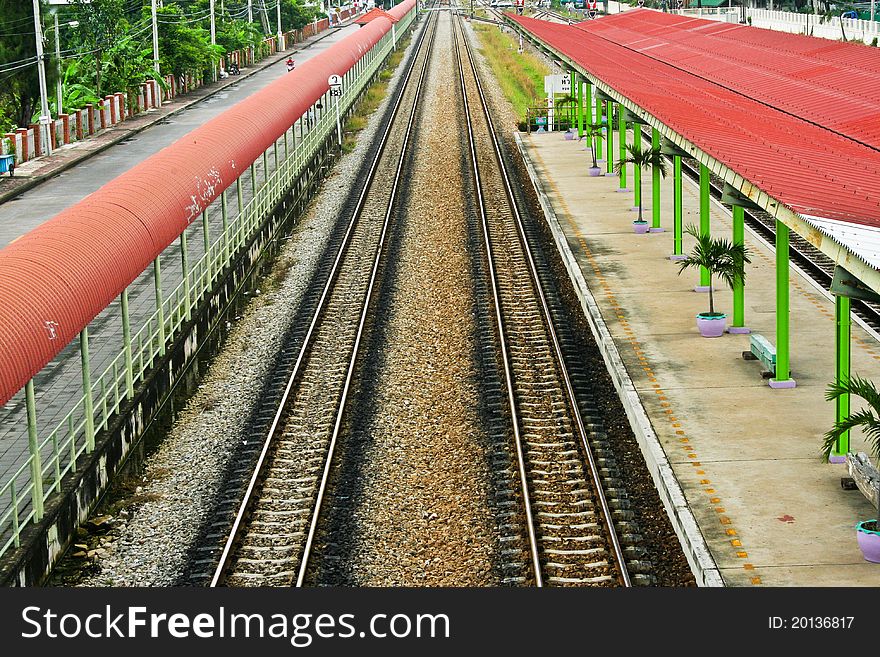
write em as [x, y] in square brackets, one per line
[591, 131]
[723, 259]
[868, 420]
[643, 159]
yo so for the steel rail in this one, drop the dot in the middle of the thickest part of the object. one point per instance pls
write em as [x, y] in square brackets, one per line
[499, 321]
[244, 507]
[313, 525]
[557, 348]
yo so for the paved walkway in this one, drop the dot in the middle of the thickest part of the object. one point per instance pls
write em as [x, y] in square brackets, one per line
[747, 457]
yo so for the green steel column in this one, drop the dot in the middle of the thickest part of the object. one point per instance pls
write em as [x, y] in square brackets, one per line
[599, 148]
[88, 402]
[655, 181]
[160, 309]
[609, 150]
[637, 172]
[265, 166]
[224, 215]
[705, 226]
[206, 238]
[676, 206]
[782, 309]
[580, 102]
[739, 236]
[253, 181]
[588, 108]
[275, 144]
[286, 147]
[238, 195]
[34, 449]
[126, 345]
[621, 144]
[843, 363]
[184, 261]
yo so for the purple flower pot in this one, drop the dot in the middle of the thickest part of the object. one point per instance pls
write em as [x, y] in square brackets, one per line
[594, 171]
[711, 326]
[569, 135]
[640, 227]
[869, 542]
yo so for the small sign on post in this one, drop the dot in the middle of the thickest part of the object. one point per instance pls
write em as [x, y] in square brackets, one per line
[335, 84]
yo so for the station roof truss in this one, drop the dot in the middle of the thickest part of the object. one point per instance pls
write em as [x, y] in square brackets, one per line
[791, 121]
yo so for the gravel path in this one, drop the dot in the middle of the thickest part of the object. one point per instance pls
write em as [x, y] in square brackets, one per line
[149, 540]
[418, 514]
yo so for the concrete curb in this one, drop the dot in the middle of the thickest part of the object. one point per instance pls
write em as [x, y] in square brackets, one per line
[694, 544]
[125, 134]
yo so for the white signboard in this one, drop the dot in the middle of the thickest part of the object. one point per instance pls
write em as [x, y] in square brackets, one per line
[557, 84]
[335, 81]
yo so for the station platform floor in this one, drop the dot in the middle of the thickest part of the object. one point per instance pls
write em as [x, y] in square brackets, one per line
[747, 457]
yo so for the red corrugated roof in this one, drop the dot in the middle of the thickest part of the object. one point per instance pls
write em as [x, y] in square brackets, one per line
[374, 14]
[813, 170]
[834, 84]
[55, 279]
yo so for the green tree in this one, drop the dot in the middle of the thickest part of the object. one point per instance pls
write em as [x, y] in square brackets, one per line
[184, 49]
[237, 34]
[866, 419]
[19, 83]
[295, 15]
[642, 159]
[720, 257]
[101, 23]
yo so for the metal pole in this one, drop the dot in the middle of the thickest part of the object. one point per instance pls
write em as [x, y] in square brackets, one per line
[224, 215]
[580, 102]
[251, 20]
[88, 402]
[214, 40]
[126, 346]
[278, 16]
[843, 364]
[782, 304]
[609, 118]
[157, 282]
[655, 181]
[155, 37]
[599, 122]
[621, 141]
[206, 235]
[45, 117]
[637, 171]
[676, 206]
[338, 122]
[705, 226]
[185, 264]
[34, 449]
[59, 90]
[738, 292]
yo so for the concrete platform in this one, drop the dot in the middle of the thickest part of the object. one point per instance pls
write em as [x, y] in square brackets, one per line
[747, 457]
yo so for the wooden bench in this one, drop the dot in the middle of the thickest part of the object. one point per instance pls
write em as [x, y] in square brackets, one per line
[864, 476]
[760, 348]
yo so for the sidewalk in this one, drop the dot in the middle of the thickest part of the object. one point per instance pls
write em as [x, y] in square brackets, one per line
[32, 173]
[746, 457]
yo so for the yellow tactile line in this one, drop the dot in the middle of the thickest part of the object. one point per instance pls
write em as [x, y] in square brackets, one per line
[714, 499]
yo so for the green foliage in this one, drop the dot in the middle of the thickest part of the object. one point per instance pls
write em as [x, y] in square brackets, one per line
[77, 94]
[295, 15]
[183, 49]
[721, 257]
[867, 419]
[19, 84]
[591, 131]
[642, 159]
[237, 35]
[101, 22]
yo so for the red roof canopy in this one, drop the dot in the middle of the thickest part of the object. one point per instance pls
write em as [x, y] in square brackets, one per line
[746, 97]
[373, 14]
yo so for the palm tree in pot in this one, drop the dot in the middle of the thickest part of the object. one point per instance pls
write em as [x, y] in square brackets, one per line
[868, 420]
[591, 131]
[643, 159]
[723, 259]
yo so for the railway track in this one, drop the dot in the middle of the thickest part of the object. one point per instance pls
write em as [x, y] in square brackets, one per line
[572, 536]
[271, 538]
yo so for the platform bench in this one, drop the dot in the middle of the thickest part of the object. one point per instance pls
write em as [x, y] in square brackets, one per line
[760, 348]
[864, 476]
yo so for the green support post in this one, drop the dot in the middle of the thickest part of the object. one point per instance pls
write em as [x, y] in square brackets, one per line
[239, 196]
[677, 233]
[126, 345]
[621, 143]
[265, 166]
[599, 148]
[184, 261]
[88, 401]
[705, 226]
[609, 150]
[655, 182]
[286, 147]
[34, 449]
[275, 144]
[206, 238]
[160, 309]
[224, 216]
[253, 181]
[783, 375]
[739, 236]
[842, 306]
[588, 108]
[637, 172]
[580, 102]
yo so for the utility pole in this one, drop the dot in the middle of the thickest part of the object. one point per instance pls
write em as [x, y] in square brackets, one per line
[251, 20]
[155, 37]
[280, 45]
[45, 117]
[213, 41]
[58, 88]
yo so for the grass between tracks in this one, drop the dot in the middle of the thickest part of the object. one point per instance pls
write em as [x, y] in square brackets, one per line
[371, 99]
[521, 77]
